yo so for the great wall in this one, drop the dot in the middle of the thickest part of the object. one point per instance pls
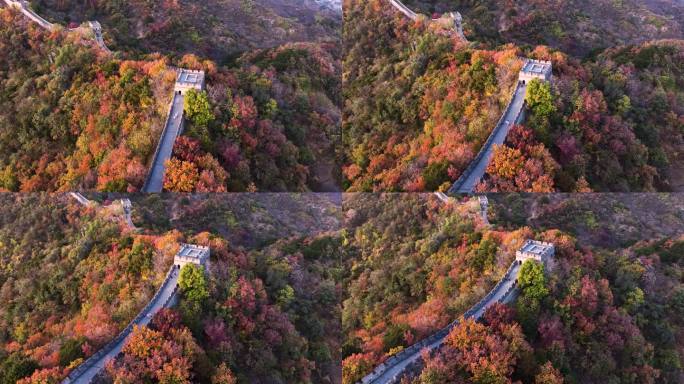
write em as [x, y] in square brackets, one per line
[165, 297]
[410, 359]
[389, 372]
[125, 208]
[484, 207]
[514, 113]
[186, 79]
[393, 369]
[95, 28]
[451, 21]
[173, 127]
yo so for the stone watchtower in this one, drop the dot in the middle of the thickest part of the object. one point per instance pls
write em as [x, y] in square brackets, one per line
[535, 250]
[451, 21]
[458, 24]
[192, 254]
[189, 79]
[95, 26]
[536, 69]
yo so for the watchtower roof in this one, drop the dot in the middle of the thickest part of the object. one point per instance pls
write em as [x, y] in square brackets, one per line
[537, 67]
[193, 253]
[536, 247]
[191, 250]
[191, 77]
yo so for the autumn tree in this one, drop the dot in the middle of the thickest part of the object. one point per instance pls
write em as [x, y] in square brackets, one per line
[71, 350]
[532, 281]
[474, 353]
[149, 355]
[539, 98]
[197, 108]
[180, 176]
[165, 321]
[512, 169]
[548, 375]
[354, 368]
[193, 283]
[16, 367]
[139, 258]
[223, 375]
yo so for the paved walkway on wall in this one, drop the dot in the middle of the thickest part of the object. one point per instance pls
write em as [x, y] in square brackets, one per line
[442, 197]
[23, 6]
[484, 206]
[155, 180]
[164, 296]
[475, 172]
[500, 294]
[127, 208]
[99, 39]
[80, 198]
[404, 9]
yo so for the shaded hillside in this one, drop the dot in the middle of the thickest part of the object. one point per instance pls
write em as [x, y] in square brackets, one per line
[215, 29]
[243, 219]
[577, 27]
[601, 219]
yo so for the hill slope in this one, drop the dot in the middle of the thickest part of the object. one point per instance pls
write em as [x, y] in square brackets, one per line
[216, 29]
[419, 106]
[577, 27]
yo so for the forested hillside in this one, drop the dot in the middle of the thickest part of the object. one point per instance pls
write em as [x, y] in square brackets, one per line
[601, 312]
[269, 124]
[613, 124]
[267, 312]
[220, 30]
[72, 117]
[577, 27]
[420, 104]
[70, 280]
